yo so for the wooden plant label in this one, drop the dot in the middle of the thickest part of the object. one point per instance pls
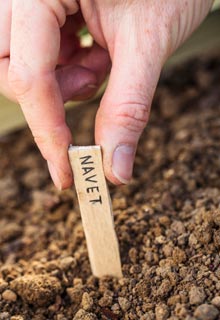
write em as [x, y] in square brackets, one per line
[96, 210]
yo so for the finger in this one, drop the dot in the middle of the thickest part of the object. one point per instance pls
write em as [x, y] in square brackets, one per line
[70, 41]
[76, 82]
[95, 59]
[125, 107]
[35, 41]
[89, 67]
[5, 29]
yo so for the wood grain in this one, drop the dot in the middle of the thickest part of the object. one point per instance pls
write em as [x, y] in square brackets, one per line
[96, 210]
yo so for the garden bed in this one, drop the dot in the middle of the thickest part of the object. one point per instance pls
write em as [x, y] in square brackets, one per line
[167, 219]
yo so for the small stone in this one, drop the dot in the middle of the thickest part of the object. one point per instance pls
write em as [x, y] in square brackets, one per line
[80, 314]
[147, 316]
[119, 203]
[124, 303]
[179, 255]
[17, 318]
[87, 301]
[143, 288]
[160, 239]
[173, 300]
[167, 250]
[106, 300]
[196, 295]
[162, 312]
[216, 301]
[83, 315]
[180, 310]
[75, 294]
[164, 288]
[67, 262]
[39, 290]
[115, 307]
[9, 295]
[206, 312]
[178, 227]
[77, 282]
[192, 240]
[133, 255]
[4, 316]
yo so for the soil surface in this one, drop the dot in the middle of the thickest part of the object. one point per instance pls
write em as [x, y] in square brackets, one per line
[167, 219]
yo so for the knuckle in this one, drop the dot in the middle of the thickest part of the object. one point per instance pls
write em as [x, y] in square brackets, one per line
[133, 116]
[19, 80]
[57, 138]
[61, 9]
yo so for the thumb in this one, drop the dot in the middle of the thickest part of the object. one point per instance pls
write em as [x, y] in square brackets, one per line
[125, 107]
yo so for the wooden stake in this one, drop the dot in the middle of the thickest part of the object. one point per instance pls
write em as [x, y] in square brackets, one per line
[96, 210]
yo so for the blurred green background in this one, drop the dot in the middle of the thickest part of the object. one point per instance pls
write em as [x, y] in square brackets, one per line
[205, 39]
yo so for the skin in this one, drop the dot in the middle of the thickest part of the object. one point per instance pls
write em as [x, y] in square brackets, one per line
[42, 65]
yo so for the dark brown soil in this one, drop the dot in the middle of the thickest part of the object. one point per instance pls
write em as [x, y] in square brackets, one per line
[167, 220]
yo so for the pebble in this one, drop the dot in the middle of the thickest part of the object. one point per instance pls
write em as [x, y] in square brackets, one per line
[115, 307]
[4, 316]
[178, 227]
[83, 315]
[67, 262]
[206, 312]
[162, 312]
[147, 316]
[216, 301]
[106, 300]
[164, 288]
[87, 301]
[124, 303]
[179, 255]
[17, 318]
[196, 295]
[75, 294]
[9, 295]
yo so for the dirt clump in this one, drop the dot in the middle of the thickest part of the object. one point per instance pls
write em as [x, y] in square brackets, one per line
[36, 289]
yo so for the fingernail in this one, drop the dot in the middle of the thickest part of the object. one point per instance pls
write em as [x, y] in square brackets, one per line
[122, 163]
[54, 175]
[87, 88]
[92, 86]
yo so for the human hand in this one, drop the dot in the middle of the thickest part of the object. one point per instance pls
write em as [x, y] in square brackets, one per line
[42, 65]
[138, 35]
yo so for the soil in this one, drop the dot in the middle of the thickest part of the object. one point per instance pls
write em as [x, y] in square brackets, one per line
[167, 219]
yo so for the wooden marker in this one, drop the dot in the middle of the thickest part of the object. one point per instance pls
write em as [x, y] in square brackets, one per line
[96, 210]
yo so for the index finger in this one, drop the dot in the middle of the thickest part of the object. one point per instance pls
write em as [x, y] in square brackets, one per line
[35, 43]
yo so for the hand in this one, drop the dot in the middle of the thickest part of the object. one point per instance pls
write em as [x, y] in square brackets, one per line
[42, 65]
[138, 36]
